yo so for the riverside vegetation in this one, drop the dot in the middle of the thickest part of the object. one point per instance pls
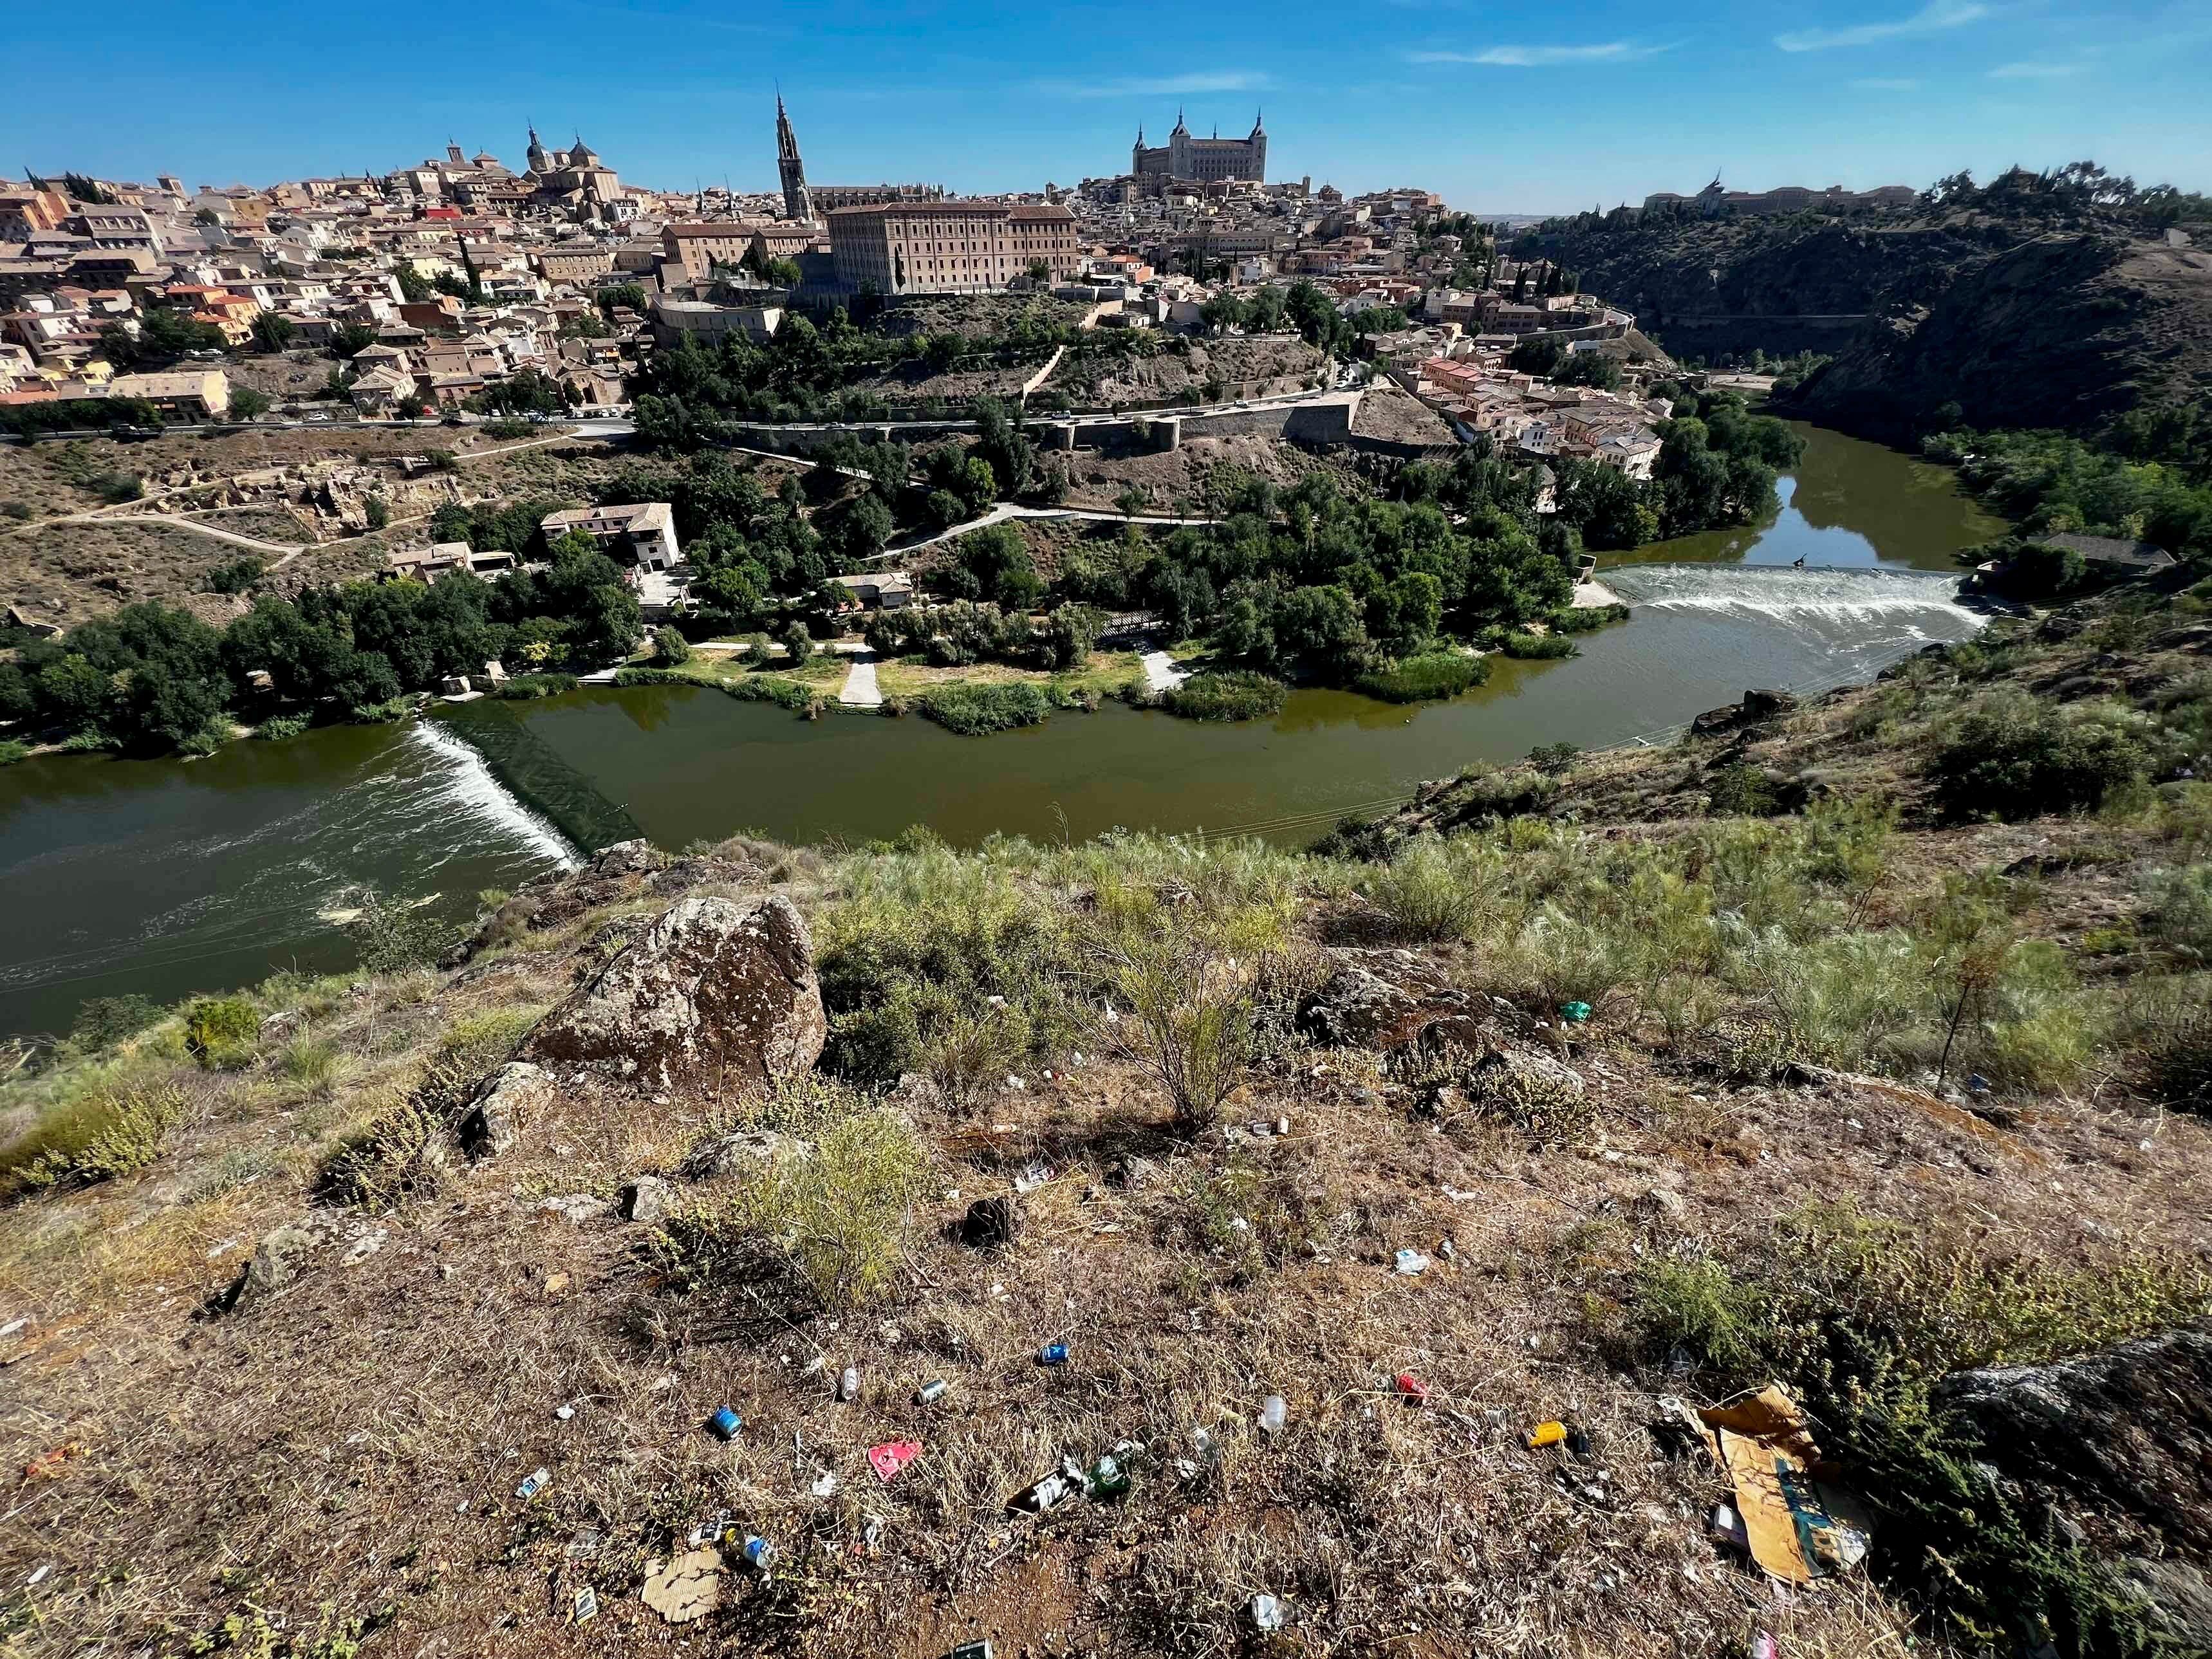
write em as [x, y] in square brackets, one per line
[1896, 1062]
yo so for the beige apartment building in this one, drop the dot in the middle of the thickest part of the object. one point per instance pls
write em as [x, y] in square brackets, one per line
[949, 248]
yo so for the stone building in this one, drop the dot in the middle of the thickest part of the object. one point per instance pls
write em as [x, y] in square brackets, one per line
[948, 246]
[1201, 160]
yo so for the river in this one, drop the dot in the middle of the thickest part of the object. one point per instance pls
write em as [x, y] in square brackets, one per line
[164, 877]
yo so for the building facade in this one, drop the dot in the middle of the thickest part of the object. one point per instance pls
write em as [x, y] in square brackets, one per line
[1201, 160]
[789, 168]
[948, 246]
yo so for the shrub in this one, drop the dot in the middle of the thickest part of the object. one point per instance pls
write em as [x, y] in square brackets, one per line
[236, 576]
[220, 1031]
[974, 710]
[277, 726]
[12, 750]
[95, 1136]
[833, 1222]
[393, 936]
[1538, 647]
[525, 687]
[103, 1022]
[2013, 758]
[670, 648]
[1440, 674]
[1434, 889]
[1225, 694]
[1587, 619]
[508, 426]
[310, 1060]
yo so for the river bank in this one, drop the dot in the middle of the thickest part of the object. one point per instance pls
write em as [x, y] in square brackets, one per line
[97, 852]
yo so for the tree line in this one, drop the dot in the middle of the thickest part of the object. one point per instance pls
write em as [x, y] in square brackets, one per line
[153, 678]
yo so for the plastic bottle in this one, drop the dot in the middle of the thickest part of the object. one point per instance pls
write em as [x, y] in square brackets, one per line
[848, 1384]
[1273, 1413]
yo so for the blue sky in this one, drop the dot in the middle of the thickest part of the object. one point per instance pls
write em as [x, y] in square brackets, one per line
[1506, 106]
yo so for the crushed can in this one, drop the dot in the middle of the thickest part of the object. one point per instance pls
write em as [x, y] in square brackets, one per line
[726, 1424]
[535, 1482]
[760, 1554]
[586, 1607]
[979, 1649]
[848, 1384]
[1053, 1354]
[1546, 1434]
[931, 1391]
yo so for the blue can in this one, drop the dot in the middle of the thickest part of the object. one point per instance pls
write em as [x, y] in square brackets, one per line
[727, 1423]
[1053, 1354]
[760, 1554]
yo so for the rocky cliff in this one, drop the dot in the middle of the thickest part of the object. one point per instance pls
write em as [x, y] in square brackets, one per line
[2063, 331]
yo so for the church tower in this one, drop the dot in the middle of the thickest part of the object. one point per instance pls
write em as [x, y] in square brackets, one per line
[797, 204]
[538, 163]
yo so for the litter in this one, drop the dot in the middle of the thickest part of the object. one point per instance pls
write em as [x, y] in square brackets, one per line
[726, 1424]
[976, 1650]
[888, 1459]
[12, 1326]
[587, 1606]
[1762, 1647]
[1267, 1612]
[1412, 1261]
[1033, 1177]
[825, 1485]
[1546, 1434]
[538, 1481]
[1109, 1476]
[1273, 1412]
[848, 1384]
[1726, 1527]
[584, 1547]
[931, 1391]
[1576, 1013]
[1415, 1391]
[1053, 1354]
[688, 1589]
[1796, 1528]
[711, 1532]
[564, 1412]
[1042, 1495]
[38, 1577]
[760, 1554]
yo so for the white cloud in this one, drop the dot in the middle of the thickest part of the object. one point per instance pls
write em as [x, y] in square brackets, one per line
[1884, 83]
[2033, 71]
[1170, 86]
[1931, 19]
[1611, 51]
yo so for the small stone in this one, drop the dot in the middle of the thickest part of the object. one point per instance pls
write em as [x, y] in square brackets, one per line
[647, 1200]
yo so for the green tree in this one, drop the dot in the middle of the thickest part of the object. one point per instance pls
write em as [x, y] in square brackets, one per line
[799, 643]
[349, 340]
[274, 333]
[248, 403]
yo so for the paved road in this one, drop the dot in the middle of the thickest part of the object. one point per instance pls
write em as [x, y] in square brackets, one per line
[861, 689]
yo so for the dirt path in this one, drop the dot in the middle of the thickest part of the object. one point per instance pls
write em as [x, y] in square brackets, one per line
[193, 524]
[1006, 511]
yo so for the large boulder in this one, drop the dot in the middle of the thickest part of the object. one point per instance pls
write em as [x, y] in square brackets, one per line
[1387, 1000]
[2115, 1448]
[716, 994]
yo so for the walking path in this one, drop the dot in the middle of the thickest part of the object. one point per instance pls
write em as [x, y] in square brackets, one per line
[1161, 674]
[1007, 510]
[861, 689]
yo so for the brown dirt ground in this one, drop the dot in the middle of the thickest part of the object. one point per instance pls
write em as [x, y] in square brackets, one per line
[351, 1448]
[1256, 366]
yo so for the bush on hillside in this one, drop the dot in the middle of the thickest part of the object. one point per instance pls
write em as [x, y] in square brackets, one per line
[220, 1031]
[972, 711]
[2013, 757]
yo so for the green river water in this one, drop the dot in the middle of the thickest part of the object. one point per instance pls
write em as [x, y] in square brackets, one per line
[165, 878]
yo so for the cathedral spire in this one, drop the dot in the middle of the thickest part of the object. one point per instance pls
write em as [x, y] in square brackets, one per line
[797, 203]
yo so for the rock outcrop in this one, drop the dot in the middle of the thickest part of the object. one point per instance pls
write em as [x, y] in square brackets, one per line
[508, 1099]
[716, 994]
[1387, 1000]
[2115, 1450]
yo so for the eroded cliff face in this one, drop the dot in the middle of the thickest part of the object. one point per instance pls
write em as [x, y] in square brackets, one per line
[1705, 289]
[2064, 330]
[2018, 323]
